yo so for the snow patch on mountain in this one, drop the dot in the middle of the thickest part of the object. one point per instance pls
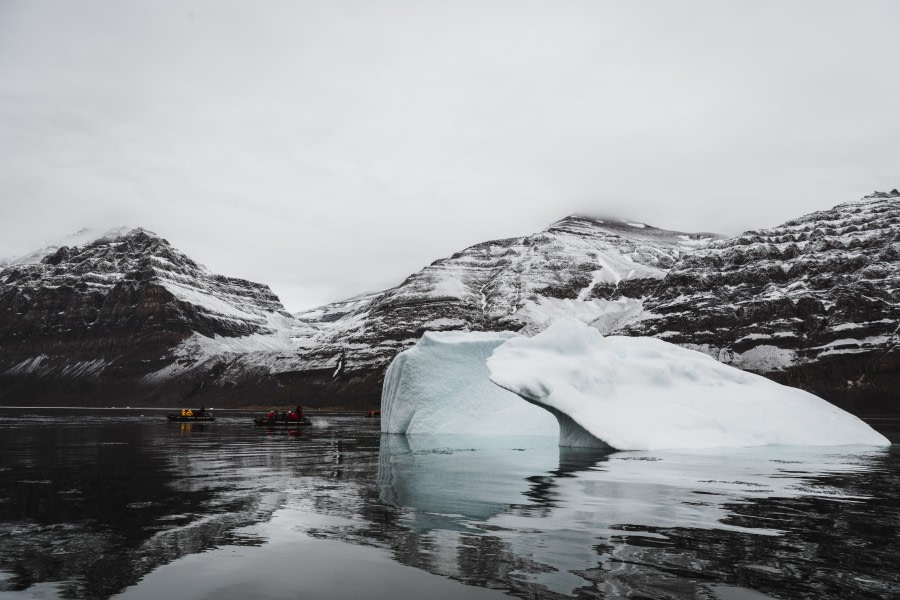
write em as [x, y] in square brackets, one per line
[39, 366]
[29, 365]
[283, 335]
[763, 359]
[200, 297]
[604, 315]
[83, 236]
[336, 310]
[595, 269]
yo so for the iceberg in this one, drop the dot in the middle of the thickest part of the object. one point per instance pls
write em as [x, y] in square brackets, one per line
[441, 386]
[629, 393]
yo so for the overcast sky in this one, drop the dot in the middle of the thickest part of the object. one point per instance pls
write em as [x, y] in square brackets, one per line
[330, 148]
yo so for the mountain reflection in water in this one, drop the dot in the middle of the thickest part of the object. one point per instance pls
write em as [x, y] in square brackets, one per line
[100, 503]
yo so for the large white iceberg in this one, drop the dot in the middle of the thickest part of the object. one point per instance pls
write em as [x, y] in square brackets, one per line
[646, 394]
[441, 386]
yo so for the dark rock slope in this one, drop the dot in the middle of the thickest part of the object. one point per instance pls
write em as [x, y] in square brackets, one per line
[85, 324]
[128, 319]
[595, 269]
[813, 303]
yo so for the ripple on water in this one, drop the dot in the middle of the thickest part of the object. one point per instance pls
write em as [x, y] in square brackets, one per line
[99, 506]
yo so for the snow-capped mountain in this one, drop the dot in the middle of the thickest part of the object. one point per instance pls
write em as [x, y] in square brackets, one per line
[82, 237]
[814, 303]
[597, 269]
[134, 309]
[109, 311]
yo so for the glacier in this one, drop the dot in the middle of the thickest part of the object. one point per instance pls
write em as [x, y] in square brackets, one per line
[629, 393]
[441, 386]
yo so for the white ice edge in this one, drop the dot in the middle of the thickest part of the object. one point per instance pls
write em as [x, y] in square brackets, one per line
[600, 392]
[441, 386]
[647, 394]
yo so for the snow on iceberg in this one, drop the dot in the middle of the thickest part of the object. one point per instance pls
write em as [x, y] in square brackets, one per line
[441, 386]
[646, 394]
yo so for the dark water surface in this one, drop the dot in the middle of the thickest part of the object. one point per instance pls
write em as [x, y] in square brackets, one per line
[120, 503]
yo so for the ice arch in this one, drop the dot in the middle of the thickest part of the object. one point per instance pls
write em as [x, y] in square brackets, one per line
[646, 394]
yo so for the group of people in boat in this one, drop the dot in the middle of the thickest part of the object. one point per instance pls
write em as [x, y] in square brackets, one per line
[273, 416]
[295, 415]
[187, 412]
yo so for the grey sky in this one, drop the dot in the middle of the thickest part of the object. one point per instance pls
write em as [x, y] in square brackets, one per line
[330, 148]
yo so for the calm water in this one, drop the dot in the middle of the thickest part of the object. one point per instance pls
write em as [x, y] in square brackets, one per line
[102, 504]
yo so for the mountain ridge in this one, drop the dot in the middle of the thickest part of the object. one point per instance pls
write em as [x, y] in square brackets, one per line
[99, 315]
[814, 302]
[205, 336]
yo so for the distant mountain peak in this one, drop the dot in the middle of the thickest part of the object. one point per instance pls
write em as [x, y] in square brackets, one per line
[814, 302]
[633, 229]
[882, 195]
[83, 237]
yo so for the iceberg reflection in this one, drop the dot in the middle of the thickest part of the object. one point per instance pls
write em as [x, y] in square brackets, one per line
[450, 481]
[572, 512]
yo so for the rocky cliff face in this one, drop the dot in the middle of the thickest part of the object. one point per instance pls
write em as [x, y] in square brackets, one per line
[87, 322]
[813, 303]
[597, 269]
[128, 314]
[127, 318]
